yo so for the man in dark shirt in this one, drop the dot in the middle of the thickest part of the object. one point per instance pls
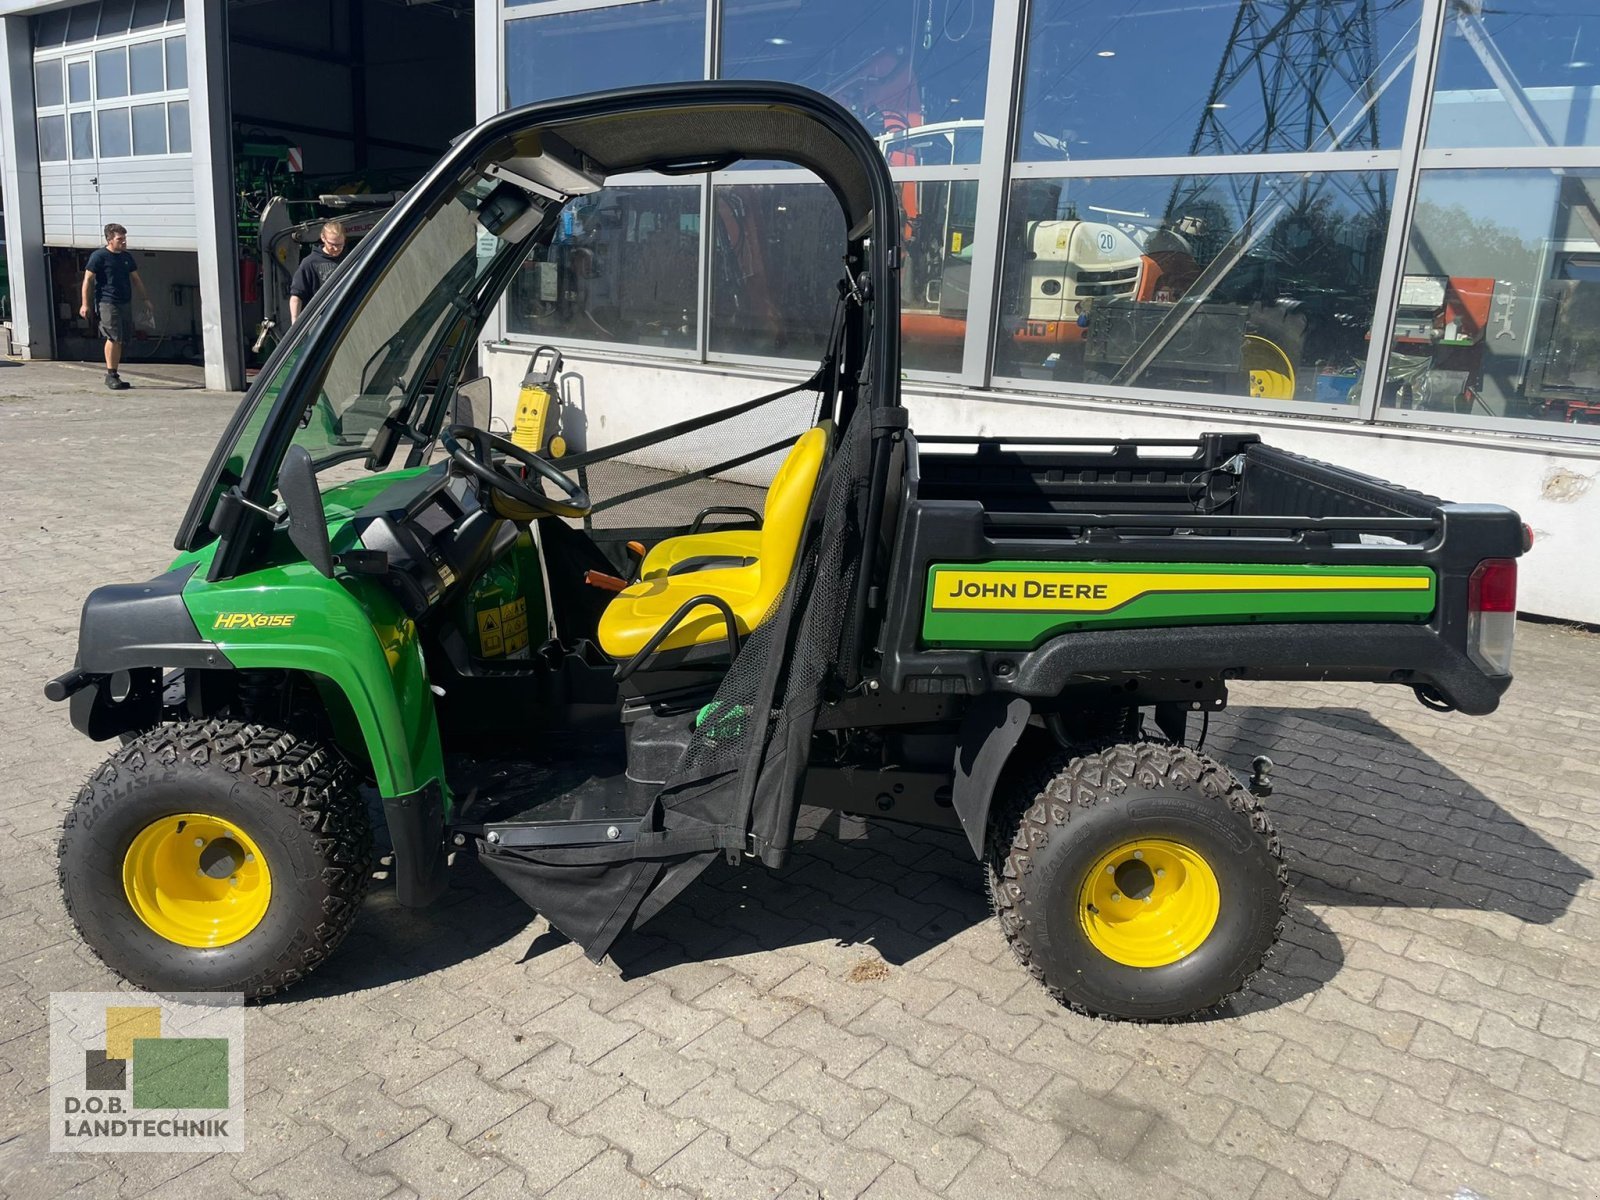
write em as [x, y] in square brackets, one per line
[316, 269]
[114, 276]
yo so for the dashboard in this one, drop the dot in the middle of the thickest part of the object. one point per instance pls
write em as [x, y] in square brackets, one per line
[432, 537]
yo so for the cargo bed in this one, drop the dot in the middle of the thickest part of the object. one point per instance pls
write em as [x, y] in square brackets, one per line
[1037, 566]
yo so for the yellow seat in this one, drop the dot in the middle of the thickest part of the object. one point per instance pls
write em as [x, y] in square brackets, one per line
[714, 543]
[636, 613]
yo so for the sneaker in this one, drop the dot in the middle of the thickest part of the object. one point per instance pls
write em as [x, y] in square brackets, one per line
[115, 382]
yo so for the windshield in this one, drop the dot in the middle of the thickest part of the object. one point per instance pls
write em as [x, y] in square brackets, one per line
[390, 357]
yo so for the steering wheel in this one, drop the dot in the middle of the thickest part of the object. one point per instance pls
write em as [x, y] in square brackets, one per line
[473, 451]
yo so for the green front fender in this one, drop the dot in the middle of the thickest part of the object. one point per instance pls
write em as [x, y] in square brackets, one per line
[348, 632]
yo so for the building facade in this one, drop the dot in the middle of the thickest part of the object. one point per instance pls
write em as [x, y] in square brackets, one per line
[1368, 228]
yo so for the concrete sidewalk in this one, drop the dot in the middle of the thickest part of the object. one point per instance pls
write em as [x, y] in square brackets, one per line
[853, 1025]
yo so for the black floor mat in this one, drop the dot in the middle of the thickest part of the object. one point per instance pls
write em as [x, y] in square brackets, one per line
[575, 777]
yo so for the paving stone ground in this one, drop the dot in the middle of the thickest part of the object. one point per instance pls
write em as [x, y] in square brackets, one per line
[853, 1025]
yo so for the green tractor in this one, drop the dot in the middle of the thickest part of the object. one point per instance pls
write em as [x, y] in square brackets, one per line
[600, 676]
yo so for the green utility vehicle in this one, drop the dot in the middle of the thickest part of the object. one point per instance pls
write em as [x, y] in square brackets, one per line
[530, 657]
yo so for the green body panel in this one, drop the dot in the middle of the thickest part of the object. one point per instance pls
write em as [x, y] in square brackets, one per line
[1018, 605]
[348, 633]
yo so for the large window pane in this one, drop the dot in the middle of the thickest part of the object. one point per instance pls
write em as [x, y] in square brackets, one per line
[113, 128]
[624, 267]
[79, 89]
[150, 129]
[177, 63]
[146, 68]
[149, 13]
[111, 73]
[114, 16]
[52, 139]
[82, 135]
[82, 21]
[777, 250]
[1151, 78]
[896, 64]
[777, 256]
[658, 41]
[47, 83]
[50, 29]
[1500, 303]
[939, 225]
[1523, 74]
[1247, 285]
[178, 127]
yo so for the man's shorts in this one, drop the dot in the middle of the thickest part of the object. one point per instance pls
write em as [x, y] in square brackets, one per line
[116, 321]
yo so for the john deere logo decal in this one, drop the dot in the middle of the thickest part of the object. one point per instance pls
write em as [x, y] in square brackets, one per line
[1099, 591]
[132, 1072]
[1003, 605]
[242, 620]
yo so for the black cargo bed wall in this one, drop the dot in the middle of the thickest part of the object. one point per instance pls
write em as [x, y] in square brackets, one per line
[1076, 475]
[1278, 483]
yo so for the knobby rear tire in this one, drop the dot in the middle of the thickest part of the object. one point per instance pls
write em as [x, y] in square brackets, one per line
[1068, 810]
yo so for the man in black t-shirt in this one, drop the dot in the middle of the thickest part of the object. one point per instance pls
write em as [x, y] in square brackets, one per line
[114, 276]
[316, 269]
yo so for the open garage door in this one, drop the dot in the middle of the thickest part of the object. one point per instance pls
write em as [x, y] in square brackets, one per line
[337, 106]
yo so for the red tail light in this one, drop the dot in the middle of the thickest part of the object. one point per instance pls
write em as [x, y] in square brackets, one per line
[1492, 614]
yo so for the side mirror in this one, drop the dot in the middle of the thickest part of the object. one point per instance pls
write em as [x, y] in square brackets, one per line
[308, 523]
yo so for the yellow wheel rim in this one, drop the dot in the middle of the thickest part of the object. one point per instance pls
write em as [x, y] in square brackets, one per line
[197, 880]
[1271, 373]
[1149, 903]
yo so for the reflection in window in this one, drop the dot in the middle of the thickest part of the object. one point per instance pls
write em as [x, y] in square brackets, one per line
[777, 257]
[938, 226]
[82, 135]
[777, 250]
[178, 127]
[1150, 78]
[623, 267]
[150, 129]
[115, 141]
[1250, 286]
[50, 29]
[78, 91]
[1526, 74]
[82, 20]
[114, 16]
[47, 83]
[565, 54]
[52, 139]
[147, 13]
[177, 63]
[111, 73]
[1500, 302]
[896, 64]
[146, 68]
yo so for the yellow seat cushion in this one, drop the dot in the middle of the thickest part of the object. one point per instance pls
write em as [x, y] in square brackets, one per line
[638, 611]
[713, 543]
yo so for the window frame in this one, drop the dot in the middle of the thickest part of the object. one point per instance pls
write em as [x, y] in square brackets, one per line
[997, 169]
[85, 51]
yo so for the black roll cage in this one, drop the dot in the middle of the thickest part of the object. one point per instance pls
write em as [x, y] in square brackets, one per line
[868, 367]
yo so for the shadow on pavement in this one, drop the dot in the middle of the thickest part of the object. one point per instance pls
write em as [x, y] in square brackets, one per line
[1366, 818]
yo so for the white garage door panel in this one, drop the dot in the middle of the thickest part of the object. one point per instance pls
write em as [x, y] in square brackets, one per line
[153, 197]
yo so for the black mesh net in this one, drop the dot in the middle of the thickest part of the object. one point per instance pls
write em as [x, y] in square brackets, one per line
[728, 461]
[784, 657]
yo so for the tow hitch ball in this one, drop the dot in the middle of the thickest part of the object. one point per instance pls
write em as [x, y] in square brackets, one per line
[1261, 776]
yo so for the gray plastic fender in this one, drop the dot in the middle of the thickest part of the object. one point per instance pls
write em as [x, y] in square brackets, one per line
[989, 734]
